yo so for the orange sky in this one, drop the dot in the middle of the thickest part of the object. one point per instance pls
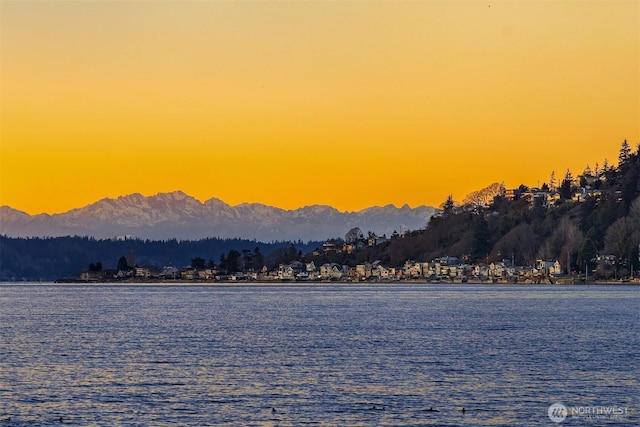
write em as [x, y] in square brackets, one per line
[346, 103]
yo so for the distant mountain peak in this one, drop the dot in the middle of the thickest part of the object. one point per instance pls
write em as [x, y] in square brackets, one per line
[178, 215]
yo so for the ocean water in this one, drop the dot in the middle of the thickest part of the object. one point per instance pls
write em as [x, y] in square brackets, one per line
[345, 355]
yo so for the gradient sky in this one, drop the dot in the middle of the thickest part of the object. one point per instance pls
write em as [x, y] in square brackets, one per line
[346, 103]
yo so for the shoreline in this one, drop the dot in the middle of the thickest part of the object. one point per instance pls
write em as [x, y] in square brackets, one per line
[248, 283]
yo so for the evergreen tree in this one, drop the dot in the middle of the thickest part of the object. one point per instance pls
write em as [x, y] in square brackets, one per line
[552, 181]
[586, 174]
[625, 153]
[586, 254]
[565, 190]
[233, 258]
[198, 262]
[481, 237]
[95, 267]
[448, 206]
[123, 265]
[257, 260]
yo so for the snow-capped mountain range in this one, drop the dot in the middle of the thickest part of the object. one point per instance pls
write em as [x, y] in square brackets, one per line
[178, 215]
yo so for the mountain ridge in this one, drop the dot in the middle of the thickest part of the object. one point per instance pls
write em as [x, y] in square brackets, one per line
[179, 215]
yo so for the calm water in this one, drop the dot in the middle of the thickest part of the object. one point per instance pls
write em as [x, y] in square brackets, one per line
[320, 355]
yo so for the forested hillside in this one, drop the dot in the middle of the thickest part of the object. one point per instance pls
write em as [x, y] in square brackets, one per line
[595, 213]
[57, 257]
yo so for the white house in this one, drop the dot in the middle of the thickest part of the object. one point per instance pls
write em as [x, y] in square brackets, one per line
[379, 271]
[286, 272]
[325, 271]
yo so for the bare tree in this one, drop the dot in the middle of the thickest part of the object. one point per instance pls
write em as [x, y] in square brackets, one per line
[484, 196]
[634, 214]
[563, 242]
[520, 242]
[619, 239]
[573, 238]
[353, 235]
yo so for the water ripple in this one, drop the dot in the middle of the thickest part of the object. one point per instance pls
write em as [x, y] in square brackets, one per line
[323, 355]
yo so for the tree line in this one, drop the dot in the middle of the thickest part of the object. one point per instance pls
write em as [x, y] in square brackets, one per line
[51, 258]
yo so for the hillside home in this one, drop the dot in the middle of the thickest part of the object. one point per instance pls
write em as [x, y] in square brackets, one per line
[606, 260]
[512, 194]
[376, 240]
[552, 198]
[349, 248]
[448, 260]
[329, 247]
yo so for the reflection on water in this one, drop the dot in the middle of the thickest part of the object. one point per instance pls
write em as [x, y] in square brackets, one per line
[322, 355]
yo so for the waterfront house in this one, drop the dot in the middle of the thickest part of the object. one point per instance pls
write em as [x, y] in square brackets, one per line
[142, 273]
[380, 272]
[412, 269]
[549, 268]
[169, 273]
[361, 272]
[325, 271]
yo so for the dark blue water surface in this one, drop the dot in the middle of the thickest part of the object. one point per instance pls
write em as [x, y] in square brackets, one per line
[318, 355]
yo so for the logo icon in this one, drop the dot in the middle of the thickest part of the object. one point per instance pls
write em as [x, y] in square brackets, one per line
[557, 412]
